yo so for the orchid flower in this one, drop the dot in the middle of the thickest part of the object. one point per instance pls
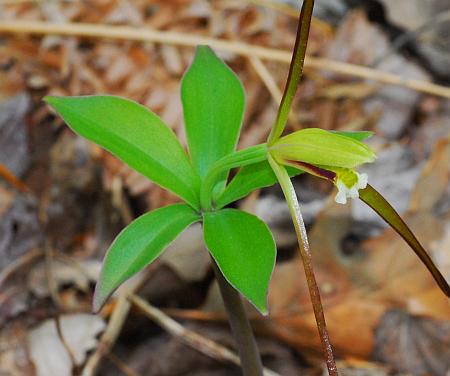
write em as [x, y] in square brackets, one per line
[328, 155]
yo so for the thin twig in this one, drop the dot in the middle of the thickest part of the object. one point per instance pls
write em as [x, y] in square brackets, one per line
[277, 6]
[271, 86]
[51, 281]
[109, 336]
[266, 78]
[183, 39]
[216, 316]
[16, 2]
[6, 174]
[61, 337]
[291, 11]
[189, 337]
[113, 358]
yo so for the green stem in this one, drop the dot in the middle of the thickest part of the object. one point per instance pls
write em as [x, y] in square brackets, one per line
[294, 208]
[295, 70]
[240, 326]
[253, 154]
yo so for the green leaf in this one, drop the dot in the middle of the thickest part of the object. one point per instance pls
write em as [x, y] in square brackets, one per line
[378, 203]
[213, 104]
[136, 136]
[248, 179]
[319, 147]
[244, 249]
[140, 243]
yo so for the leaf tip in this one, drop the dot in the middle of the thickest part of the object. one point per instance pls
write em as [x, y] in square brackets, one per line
[52, 101]
[203, 48]
[260, 303]
[263, 310]
[49, 99]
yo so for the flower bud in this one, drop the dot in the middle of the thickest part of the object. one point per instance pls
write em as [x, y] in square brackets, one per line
[319, 147]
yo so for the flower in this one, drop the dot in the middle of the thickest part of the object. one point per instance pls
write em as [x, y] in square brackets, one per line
[348, 184]
[328, 155]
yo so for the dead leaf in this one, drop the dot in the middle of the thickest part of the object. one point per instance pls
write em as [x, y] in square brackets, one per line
[434, 178]
[48, 353]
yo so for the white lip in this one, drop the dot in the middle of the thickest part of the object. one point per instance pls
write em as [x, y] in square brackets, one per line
[345, 192]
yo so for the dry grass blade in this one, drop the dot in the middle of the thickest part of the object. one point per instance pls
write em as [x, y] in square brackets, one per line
[278, 6]
[183, 39]
[189, 337]
[271, 86]
[267, 79]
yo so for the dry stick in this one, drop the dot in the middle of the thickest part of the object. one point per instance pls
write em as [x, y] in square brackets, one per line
[189, 337]
[114, 359]
[66, 346]
[16, 2]
[6, 174]
[109, 336]
[183, 39]
[266, 78]
[278, 6]
[49, 271]
[270, 84]
[216, 316]
[289, 10]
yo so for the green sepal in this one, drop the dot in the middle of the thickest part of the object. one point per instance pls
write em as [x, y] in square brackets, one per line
[356, 135]
[319, 147]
